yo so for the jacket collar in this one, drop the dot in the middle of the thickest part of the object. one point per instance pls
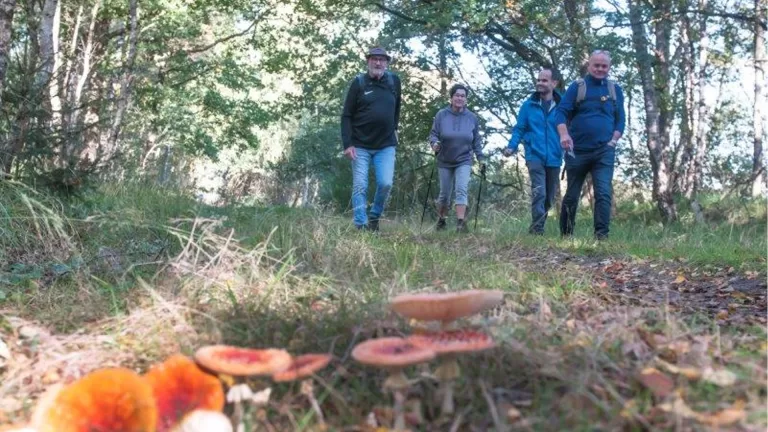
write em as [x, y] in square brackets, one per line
[537, 99]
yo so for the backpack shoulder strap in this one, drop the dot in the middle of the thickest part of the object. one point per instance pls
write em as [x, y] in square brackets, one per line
[581, 92]
[361, 81]
[612, 89]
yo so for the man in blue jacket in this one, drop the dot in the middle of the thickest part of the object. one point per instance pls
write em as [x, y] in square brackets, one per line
[537, 129]
[590, 121]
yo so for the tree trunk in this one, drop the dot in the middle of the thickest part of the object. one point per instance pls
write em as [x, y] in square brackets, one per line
[703, 109]
[758, 114]
[77, 85]
[54, 88]
[45, 39]
[654, 77]
[683, 173]
[7, 7]
[125, 82]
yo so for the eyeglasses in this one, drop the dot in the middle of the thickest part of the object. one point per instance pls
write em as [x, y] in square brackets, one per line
[378, 59]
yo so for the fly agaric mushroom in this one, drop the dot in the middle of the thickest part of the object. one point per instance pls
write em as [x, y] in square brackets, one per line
[446, 344]
[445, 307]
[204, 421]
[393, 354]
[242, 362]
[181, 387]
[303, 366]
[115, 399]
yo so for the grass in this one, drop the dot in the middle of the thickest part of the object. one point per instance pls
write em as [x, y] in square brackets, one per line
[569, 350]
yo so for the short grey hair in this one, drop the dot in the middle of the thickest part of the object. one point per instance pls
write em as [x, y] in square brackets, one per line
[601, 52]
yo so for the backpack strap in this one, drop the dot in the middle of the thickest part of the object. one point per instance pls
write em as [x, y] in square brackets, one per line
[581, 91]
[390, 82]
[612, 89]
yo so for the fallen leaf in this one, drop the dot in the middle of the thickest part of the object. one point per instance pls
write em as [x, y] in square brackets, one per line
[5, 352]
[679, 279]
[722, 314]
[653, 340]
[725, 417]
[689, 372]
[629, 409]
[657, 382]
[679, 408]
[513, 414]
[720, 377]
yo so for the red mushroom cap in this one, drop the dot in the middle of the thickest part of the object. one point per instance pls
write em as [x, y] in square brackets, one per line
[181, 387]
[303, 365]
[116, 399]
[391, 352]
[453, 341]
[445, 307]
[237, 361]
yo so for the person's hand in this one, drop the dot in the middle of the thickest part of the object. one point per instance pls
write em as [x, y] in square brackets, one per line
[566, 142]
[436, 147]
[508, 152]
[350, 153]
[612, 143]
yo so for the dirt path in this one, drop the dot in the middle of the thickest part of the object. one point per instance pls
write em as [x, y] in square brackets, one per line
[732, 297]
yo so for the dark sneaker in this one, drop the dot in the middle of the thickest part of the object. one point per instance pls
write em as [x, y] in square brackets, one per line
[441, 224]
[373, 225]
[461, 226]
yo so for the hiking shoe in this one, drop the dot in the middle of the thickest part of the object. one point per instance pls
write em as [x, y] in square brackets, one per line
[373, 225]
[461, 226]
[441, 224]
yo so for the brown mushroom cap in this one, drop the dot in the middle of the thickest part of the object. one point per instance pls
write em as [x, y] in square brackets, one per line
[303, 365]
[445, 307]
[453, 341]
[237, 361]
[391, 352]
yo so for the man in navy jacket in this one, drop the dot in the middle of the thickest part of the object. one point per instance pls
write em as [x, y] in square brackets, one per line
[537, 129]
[590, 121]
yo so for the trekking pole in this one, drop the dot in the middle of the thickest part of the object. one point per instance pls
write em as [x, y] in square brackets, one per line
[479, 193]
[429, 189]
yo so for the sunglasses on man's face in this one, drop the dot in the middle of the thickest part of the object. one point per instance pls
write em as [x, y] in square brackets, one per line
[378, 59]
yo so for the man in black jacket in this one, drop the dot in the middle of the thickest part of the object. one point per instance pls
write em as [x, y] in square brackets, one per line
[369, 135]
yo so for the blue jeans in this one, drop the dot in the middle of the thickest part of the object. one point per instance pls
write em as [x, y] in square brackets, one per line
[543, 185]
[599, 163]
[384, 168]
[448, 176]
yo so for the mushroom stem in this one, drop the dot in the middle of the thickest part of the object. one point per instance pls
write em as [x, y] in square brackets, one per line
[307, 389]
[397, 382]
[237, 416]
[446, 374]
[399, 410]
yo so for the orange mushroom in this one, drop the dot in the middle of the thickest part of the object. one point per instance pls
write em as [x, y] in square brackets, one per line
[447, 344]
[241, 362]
[237, 361]
[393, 354]
[303, 366]
[445, 307]
[115, 399]
[181, 387]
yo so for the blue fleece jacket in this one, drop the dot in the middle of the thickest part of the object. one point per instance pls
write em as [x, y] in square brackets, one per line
[597, 116]
[538, 131]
